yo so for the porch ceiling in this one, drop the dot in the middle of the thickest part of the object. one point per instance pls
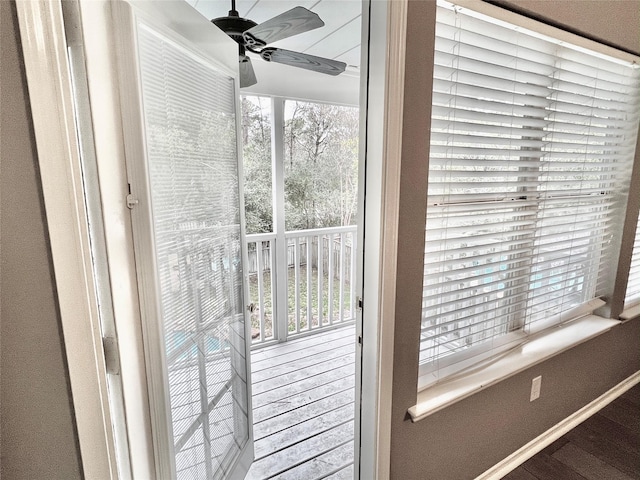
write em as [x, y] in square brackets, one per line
[339, 39]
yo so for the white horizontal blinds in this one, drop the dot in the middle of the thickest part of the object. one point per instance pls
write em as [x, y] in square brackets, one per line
[632, 297]
[189, 113]
[584, 175]
[528, 140]
[479, 220]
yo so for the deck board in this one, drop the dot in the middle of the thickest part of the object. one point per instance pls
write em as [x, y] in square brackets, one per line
[309, 367]
[303, 430]
[312, 410]
[303, 407]
[345, 473]
[282, 461]
[300, 359]
[285, 392]
[269, 353]
[323, 465]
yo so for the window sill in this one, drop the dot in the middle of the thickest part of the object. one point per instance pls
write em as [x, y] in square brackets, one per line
[631, 312]
[539, 348]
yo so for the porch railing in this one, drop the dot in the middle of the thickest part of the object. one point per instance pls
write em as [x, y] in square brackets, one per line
[320, 281]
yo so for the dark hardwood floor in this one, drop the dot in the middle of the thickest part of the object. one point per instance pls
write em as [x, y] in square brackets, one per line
[604, 447]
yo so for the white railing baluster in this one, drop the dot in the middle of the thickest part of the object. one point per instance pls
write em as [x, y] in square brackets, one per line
[260, 259]
[309, 267]
[272, 286]
[249, 272]
[341, 315]
[352, 275]
[260, 268]
[320, 278]
[296, 279]
[331, 275]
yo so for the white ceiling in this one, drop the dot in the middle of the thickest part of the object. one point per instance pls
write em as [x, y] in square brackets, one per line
[339, 39]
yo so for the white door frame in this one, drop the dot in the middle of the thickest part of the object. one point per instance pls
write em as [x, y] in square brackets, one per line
[44, 50]
[50, 93]
[382, 94]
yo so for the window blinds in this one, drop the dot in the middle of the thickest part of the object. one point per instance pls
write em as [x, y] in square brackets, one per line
[632, 297]
[532, 142]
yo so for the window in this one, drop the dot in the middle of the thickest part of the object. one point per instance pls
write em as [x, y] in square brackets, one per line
[532, 143]
[632, 297]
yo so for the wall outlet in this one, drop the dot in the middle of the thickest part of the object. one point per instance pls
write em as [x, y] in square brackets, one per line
[536, 383]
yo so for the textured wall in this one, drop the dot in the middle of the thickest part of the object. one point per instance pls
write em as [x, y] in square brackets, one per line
[464, 440]
[38, 435]
[616, 22]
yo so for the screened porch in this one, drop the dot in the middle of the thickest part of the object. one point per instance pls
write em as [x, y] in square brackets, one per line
[301, 250]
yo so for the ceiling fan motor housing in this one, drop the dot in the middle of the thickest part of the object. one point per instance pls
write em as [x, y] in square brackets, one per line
[234, 26]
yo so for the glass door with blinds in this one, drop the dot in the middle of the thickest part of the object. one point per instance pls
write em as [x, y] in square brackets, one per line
[532, 144]
[179, 100]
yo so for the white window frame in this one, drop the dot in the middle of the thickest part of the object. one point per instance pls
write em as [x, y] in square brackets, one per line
[632, 305]
[542, 344]
[629, 238]
[519, 327]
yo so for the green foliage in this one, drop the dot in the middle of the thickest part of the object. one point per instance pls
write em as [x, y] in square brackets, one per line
[256, 136]
[321, 165]
[320, 162]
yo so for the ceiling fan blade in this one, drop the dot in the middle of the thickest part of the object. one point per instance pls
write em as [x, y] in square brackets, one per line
[247, 75]
[303, 60]
[292, 22]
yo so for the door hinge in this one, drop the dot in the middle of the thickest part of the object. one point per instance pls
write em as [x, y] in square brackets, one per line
[132, 201]
[111, 357]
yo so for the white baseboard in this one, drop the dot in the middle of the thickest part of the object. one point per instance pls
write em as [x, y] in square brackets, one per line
[521, 455]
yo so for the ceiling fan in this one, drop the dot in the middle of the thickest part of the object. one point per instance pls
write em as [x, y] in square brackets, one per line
[254, 38]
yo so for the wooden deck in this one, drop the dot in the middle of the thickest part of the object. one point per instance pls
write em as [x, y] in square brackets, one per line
[303, 407]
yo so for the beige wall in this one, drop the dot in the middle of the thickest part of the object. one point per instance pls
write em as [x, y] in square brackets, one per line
[469, 437]
[463, 440]
[38, 437]
[613, 21]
